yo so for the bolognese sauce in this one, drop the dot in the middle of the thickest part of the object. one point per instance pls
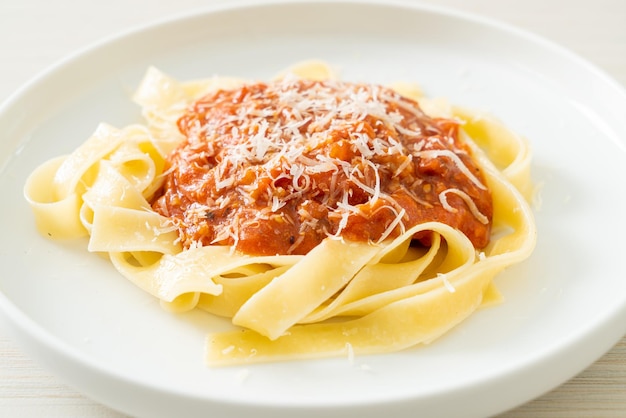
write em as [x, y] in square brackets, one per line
[275, 168]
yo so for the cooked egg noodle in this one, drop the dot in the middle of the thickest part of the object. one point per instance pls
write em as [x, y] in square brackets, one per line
[342, 298]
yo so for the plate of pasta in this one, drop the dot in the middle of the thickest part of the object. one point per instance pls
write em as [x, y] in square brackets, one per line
[341, 216]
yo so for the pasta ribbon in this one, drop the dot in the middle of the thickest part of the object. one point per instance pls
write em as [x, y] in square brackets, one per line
[341, 298]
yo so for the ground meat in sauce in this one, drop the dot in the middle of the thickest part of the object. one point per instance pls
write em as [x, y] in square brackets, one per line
[274, 168]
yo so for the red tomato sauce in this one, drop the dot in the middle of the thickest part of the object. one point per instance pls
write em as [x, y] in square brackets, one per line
[275, 168]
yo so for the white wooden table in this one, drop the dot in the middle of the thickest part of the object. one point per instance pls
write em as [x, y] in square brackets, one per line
[36, 33]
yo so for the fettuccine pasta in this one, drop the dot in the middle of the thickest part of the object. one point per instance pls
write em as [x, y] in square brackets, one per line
[313, 232]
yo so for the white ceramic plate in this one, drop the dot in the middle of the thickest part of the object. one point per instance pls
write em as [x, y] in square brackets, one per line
[564, 307]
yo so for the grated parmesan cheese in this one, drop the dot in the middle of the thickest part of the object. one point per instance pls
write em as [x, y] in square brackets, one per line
[349, 149]
[447, 283]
